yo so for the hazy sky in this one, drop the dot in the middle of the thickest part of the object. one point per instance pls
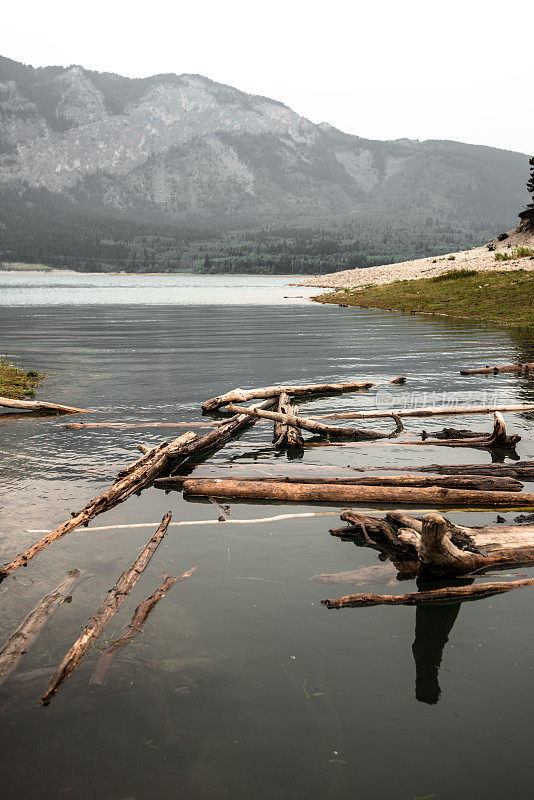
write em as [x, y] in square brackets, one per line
[459, 69]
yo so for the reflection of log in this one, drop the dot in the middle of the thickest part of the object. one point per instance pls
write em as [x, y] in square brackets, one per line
[346, 493]
[243, 395]
[115, 598]
[518, 469]
[480, 482]
[40, 406]
[308, 424]
[433, 624]
[20, 642]
[286, 435]
[522, 368]
[427, 412]
[100, 673]
[458, 593]
[131, 479]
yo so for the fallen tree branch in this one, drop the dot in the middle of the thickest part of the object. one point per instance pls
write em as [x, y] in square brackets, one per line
[243, 395]
[100, 673]
[450, 593]
[22, 639]
[426, 412]
[308, 424]
[132, 479]
[40, 406]
[522, 368]
[115, 598]
[286, 435]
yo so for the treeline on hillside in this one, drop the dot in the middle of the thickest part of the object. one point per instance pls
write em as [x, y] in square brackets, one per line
[38, 228]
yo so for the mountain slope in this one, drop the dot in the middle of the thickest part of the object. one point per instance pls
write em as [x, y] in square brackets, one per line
[185, 150]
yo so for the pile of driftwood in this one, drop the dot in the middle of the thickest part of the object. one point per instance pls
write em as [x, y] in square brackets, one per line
[417, 547]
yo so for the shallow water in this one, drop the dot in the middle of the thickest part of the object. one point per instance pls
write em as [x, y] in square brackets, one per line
[242, 685]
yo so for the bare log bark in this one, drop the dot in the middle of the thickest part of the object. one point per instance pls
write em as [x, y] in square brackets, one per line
[132, 479]
[522, 368]
[286, 435]
[516, 469]
[100, 673]
[103, 614]
[452, 593]
[427, 412]
[40, 406]
[22, 639]
[479, 482]
[346, 493]
[243, 395]
[308, 424]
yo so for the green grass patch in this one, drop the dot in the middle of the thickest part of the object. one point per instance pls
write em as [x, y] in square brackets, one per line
[15, 383]
[518, 252]
[488, 296]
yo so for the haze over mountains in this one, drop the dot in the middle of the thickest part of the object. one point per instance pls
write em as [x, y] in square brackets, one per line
[103, 155]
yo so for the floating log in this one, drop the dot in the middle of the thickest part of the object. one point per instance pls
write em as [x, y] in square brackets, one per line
[522, 368]
[132, 479]
[426, 412]
[346, 493]
[115, 598]
[446, 594]
[22, 639]
[100, 673]
[480, 482]
[77, 425]
[308, 424]
[286, 435]
[40, 406]
[243, 395]
[516, 469]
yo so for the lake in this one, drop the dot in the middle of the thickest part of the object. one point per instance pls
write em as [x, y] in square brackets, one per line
[242, 685]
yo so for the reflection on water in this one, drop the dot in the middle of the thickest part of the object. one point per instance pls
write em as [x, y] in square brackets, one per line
[242, 685]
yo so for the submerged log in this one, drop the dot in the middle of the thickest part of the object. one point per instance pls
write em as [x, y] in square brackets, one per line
[286, 435]
[76, 425]
[521, 368]
[427, 412]
[446, 594]
[115, 598]
[347, 493]
[22, 639]
[40, 406]
[131, 479]
[309, 424]
[480, 482]
[100, 673]
[516, 469]
[243, 395]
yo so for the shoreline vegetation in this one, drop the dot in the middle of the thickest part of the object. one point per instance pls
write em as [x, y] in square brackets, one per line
[465, 294]
[16, 383]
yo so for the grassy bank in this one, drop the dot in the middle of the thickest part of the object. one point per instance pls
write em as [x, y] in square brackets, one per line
[504, 297]
[17, 384]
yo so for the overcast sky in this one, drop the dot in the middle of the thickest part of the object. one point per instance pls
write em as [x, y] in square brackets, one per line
[457, 69]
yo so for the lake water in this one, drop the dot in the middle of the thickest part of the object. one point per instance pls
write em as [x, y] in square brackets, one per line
[242, 685]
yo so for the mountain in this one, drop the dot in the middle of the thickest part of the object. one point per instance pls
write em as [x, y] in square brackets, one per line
[181, 152]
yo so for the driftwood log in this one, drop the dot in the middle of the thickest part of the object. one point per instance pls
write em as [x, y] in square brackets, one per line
[310, 424]
[39, 406]
[516, 469]
[22, 639]
[443, 595]
[100, 673]
[287, 435]
[522, 368]
[350, 493]
[243, 395]
[115, 598]
[479, 482]
[132, 479]
[426, 412]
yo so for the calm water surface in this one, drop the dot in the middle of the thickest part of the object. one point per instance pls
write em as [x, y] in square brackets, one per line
[243, 685]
